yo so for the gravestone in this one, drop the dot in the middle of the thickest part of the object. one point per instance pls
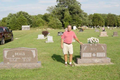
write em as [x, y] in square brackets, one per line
[74, 27]
[60, 33]
[40, 36]
[81, 30]
[93, 54]
[103, 34]
[25, 27]
[49, 39]
[96, 30]
[73, 40]
[20, 58]
[115, 34]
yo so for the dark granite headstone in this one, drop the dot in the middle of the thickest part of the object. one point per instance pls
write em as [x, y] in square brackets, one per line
[81, 30]
[93, 53]
[20, 58]
[60, 33]
[115, 34]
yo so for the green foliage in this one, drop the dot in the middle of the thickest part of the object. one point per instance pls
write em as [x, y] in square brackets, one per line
[37, 21]
[118, 20]
[21, 20]
[55, 23]
[68, 11]
[90, 17]
[13, 23]
[3, 22]
[45, 17]
[111, 20]
[67, 18]
[97, 20]
[26, 15]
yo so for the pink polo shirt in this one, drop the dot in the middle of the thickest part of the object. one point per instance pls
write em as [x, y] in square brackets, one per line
[68, 36]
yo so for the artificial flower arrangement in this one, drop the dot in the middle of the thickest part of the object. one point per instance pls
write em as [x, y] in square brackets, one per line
[93, 40]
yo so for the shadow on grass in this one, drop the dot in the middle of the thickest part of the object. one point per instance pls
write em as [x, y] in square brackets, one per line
[75, 58]
[57, 58]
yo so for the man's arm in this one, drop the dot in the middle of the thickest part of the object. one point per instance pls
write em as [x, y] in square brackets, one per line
[62, 43]
[78, 40]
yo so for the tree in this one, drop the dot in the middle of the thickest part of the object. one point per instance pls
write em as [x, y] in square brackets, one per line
[111, 20]
[118, 20]
[104, 16]
[45, 17]
[21, 20]
[90, 17]
[4, 22]
[13, 23]
[68, 9]
[55, 23]
[67, 18]
[97, 20]
[26, 15]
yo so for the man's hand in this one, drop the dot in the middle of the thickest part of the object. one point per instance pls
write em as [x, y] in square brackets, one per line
[61, 46]
[81, 43]
[61, 43]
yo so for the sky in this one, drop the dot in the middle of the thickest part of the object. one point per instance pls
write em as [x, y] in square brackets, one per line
[35, 7]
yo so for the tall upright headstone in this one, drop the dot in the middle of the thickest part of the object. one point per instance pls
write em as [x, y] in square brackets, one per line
[115, 34]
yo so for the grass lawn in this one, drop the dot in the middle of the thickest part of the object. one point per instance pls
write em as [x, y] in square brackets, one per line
[52, 58]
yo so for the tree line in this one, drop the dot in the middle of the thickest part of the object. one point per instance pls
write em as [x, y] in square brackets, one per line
[64, 13]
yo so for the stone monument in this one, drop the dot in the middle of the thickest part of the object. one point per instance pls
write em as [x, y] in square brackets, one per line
[73, 40]
[96, 30]
[115, 34]
[40, 36]
[49, 39]
[93, 54]
[60, 33]
[25, 27]
[20, 58]
[74, 27]
[103, 34]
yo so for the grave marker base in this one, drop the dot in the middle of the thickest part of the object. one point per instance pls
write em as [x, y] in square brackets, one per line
[20, 65]
[93, 61]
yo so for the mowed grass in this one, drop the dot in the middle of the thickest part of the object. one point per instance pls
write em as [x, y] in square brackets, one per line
[52, 58]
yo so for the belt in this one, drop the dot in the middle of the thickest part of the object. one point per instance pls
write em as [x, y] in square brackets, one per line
[68, 43]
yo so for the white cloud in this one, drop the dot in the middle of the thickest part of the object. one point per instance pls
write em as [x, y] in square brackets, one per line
[111, 6]
[46, 1]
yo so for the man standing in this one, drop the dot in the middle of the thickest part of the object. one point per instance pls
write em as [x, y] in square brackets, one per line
[66, 43]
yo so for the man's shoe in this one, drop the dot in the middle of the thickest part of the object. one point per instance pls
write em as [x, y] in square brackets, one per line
[71, 65]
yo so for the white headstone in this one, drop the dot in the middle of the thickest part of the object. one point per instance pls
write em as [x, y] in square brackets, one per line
[73, 40]
[74, 27]
[25, 27]
[49, 39]
[40, 36]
